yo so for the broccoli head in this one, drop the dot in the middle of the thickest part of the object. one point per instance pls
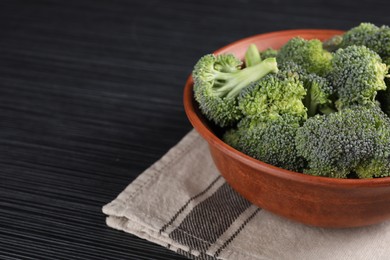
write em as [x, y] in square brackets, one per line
[349, 141]
[357, 74]
[269, 53]
[386, 60]
[367, 34]
[273, 95]
[319, 90]
[377, 167]
[319, 95]
[333, 43]
[384, 96]
[219, 79]
[271, 141]
[306, 53]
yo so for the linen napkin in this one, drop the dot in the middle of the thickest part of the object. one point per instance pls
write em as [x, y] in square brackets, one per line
[182, 203]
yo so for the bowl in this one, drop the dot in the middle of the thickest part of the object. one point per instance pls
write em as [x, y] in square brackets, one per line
[312, 200]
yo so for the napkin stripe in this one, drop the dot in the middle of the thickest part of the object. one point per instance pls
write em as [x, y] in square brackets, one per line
[199, 230]
[188, 202]
[228, 241]
[202, 256]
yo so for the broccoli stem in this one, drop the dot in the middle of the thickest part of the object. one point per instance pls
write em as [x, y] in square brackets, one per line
[236, 81]
[312, 107]
[252, 56]
[326, 110]
[310, 102]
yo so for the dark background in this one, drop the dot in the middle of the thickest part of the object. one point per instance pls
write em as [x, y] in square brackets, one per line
[91, 95]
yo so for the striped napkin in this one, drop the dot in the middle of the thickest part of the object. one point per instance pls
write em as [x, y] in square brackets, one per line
[182, 203]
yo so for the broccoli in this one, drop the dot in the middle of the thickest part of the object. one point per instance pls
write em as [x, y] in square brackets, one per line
[219, 79]
[367, 34]
[319, 95]
[386, 60]
[291, 67]
[271, 141]
[357, 74]
[317, 108]
[384, 96]
[252, 56]
[333, 43]
[349, 141]
[273, 111]
[377, 167]
[232, 137]
[319, 90]
[269, 53]
[306, 53]
[273, 95]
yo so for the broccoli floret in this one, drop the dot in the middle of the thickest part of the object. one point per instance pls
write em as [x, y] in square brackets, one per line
[319, 95]
[344, 142]
[219, 79]
[357, 74]
[271, 141]
[273, 110]
[232, 137]
[378, 167]
[291, 67]
[367, 34]
[386, 60]
[252, 56]
[307, 53]
[379, 164]
[273, 95]
[269, 53]
[333, 43]
[319, 91]
[359, 35]
[384, 96]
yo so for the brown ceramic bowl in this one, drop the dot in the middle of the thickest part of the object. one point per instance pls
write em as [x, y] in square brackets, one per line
[312, 200]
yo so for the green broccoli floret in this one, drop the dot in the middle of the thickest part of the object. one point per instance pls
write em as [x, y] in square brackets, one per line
[333, 43]
[273, 111]
[386, 60]
[232, 137]
[345, 142]
[291, 67]
[377, 167]
[359, 35]
[379, 164]
[319, 95]
[307, 53]
[219, 79]
[367, 34]
[319, 91]
[269, 53]
[274, 95]
[271, 141]
[357, 74]
[384, 96]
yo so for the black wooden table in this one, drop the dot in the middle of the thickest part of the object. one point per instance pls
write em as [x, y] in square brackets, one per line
[91, 95]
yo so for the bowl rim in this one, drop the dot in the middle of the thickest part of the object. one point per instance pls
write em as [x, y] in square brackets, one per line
[212, 139]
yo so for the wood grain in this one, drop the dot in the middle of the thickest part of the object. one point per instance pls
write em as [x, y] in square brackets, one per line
[91, 95]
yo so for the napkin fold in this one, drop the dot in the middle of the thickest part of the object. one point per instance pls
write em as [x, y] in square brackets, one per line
[182, 203]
